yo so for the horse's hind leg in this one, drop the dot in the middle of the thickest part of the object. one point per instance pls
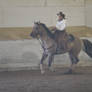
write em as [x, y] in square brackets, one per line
[74, 60]
[44, 56]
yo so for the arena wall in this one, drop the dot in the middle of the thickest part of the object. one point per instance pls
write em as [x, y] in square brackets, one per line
[88, 13]
[22, 13]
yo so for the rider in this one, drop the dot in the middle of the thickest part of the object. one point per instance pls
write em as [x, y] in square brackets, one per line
[60, 28]
[61, 23]
[61, 36]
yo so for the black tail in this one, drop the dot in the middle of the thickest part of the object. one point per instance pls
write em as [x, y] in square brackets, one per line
[88, 47]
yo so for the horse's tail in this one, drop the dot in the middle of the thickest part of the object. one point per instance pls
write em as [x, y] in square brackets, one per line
[87, 47]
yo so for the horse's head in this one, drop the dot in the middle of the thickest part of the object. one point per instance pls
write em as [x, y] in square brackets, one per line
[36, 30]
[40, 30]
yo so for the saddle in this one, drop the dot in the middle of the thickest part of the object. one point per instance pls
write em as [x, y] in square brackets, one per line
[71, 38]
[63, 40]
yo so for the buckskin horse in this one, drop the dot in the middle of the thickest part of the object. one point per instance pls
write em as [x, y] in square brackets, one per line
[48, 41]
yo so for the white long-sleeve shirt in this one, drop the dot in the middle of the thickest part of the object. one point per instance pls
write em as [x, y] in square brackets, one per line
[61, 25]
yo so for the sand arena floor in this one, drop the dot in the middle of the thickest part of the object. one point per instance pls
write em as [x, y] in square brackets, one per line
[33, 81]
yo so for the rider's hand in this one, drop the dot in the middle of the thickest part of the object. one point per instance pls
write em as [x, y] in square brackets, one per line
[53, 29]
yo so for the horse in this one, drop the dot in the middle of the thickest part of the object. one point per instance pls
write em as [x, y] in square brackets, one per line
[48, 41]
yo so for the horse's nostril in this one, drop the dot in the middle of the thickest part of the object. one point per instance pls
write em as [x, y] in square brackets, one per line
[32, 35]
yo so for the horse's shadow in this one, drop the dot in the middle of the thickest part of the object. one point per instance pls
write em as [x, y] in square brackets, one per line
[60, 72]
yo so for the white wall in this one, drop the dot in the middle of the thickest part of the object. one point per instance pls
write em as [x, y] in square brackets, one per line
[22, 13]
[89, 13]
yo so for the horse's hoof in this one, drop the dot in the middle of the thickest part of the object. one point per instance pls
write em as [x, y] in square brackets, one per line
[42, 72]
[52, 69]
[69, 71]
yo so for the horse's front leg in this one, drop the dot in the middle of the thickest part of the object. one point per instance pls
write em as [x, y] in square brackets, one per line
[44, 56]
[50, 61]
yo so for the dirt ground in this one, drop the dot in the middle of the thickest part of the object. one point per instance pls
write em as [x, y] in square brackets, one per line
[33, 81]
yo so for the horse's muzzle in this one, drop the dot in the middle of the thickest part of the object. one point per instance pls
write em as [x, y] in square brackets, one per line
[33, 35]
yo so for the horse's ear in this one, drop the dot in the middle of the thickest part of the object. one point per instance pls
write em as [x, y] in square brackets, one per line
[37, 22]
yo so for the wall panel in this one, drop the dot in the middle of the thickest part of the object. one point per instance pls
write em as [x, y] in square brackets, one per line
[22, 13]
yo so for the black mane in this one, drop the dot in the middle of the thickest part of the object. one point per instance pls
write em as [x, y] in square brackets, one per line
[50, 34]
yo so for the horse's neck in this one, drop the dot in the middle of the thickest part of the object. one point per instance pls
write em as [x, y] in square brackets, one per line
[46, 43]
[43, 43]
[43, 39]
[45, 36]
[48, 32]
